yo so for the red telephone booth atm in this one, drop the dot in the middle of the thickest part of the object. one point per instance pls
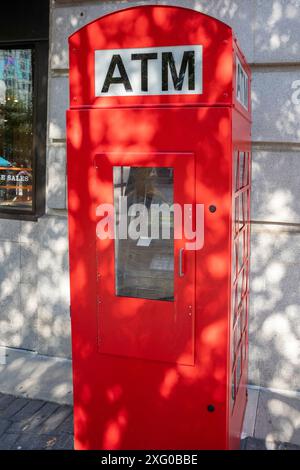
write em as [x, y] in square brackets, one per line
[159, 113]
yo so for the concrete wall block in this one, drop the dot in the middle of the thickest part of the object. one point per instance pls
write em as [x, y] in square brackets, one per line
[29, 250]
[9, 268]
[66, 20]
[17, 301]
[275, 115]
[53, 253]
[58, 104]
[12, 321]
[54, 335]
[29, 257]
[277, 31]
[29, 310]
[275, 308]
[9, 230]
[56, 178]
[54, 313]
[53, 288]
[29, 232]
[276, 189]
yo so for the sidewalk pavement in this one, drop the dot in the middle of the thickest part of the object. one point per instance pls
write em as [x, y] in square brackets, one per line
[34, 424]
[27, 424]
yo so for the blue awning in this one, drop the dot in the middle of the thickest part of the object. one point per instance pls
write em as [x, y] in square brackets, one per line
[4, 162]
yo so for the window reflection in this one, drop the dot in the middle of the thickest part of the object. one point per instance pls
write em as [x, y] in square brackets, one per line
[145, 266]
[16, 128]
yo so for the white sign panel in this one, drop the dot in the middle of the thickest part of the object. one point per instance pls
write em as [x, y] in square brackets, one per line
[174, 70]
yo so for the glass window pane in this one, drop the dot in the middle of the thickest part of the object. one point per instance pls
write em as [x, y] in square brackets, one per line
[239, 369]
[144, 262]
[233, 389]
[236, 211]
[246, 174]
[16, 128]
[241, 211]
[236, 171]
[242, 167]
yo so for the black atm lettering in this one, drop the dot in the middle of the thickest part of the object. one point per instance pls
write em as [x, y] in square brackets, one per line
[168, 62]
[144, 58]
[116, 62]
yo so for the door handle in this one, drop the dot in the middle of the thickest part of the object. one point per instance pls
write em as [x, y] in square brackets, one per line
[181, 262]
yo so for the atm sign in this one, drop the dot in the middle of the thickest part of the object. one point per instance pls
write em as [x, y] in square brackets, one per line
[174, 70]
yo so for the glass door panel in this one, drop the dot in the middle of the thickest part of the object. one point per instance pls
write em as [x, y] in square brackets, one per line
[144, 260]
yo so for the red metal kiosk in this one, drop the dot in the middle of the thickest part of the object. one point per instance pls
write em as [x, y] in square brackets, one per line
[159, 111]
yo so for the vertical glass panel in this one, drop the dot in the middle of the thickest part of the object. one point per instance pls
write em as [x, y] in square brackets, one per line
[241, 211]
[236, 171]
[236, 339]
[246, 173]
[235, 260]
[245, 246]
[236, 215]
[245, 347]
[16, 127]
[236, 303]
[240, 251]
[242, 167]
[240, 288]
[233, 389]
[144, 232]
[239, 369]
[248, 207]
[245, 314]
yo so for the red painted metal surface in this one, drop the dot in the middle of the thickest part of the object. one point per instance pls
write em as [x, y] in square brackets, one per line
[145, 372]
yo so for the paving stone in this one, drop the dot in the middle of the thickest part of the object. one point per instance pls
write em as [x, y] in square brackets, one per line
[251, 443]
[4, 424]
[51, 424]
[29, 409]
[5, 400]
[13, 408]
[33, 422]
[67, 426]
[287, 446]
[30, 441]
[7, 441]
[64, 442]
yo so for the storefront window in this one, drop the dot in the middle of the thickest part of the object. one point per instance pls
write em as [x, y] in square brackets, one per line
[16, 129]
